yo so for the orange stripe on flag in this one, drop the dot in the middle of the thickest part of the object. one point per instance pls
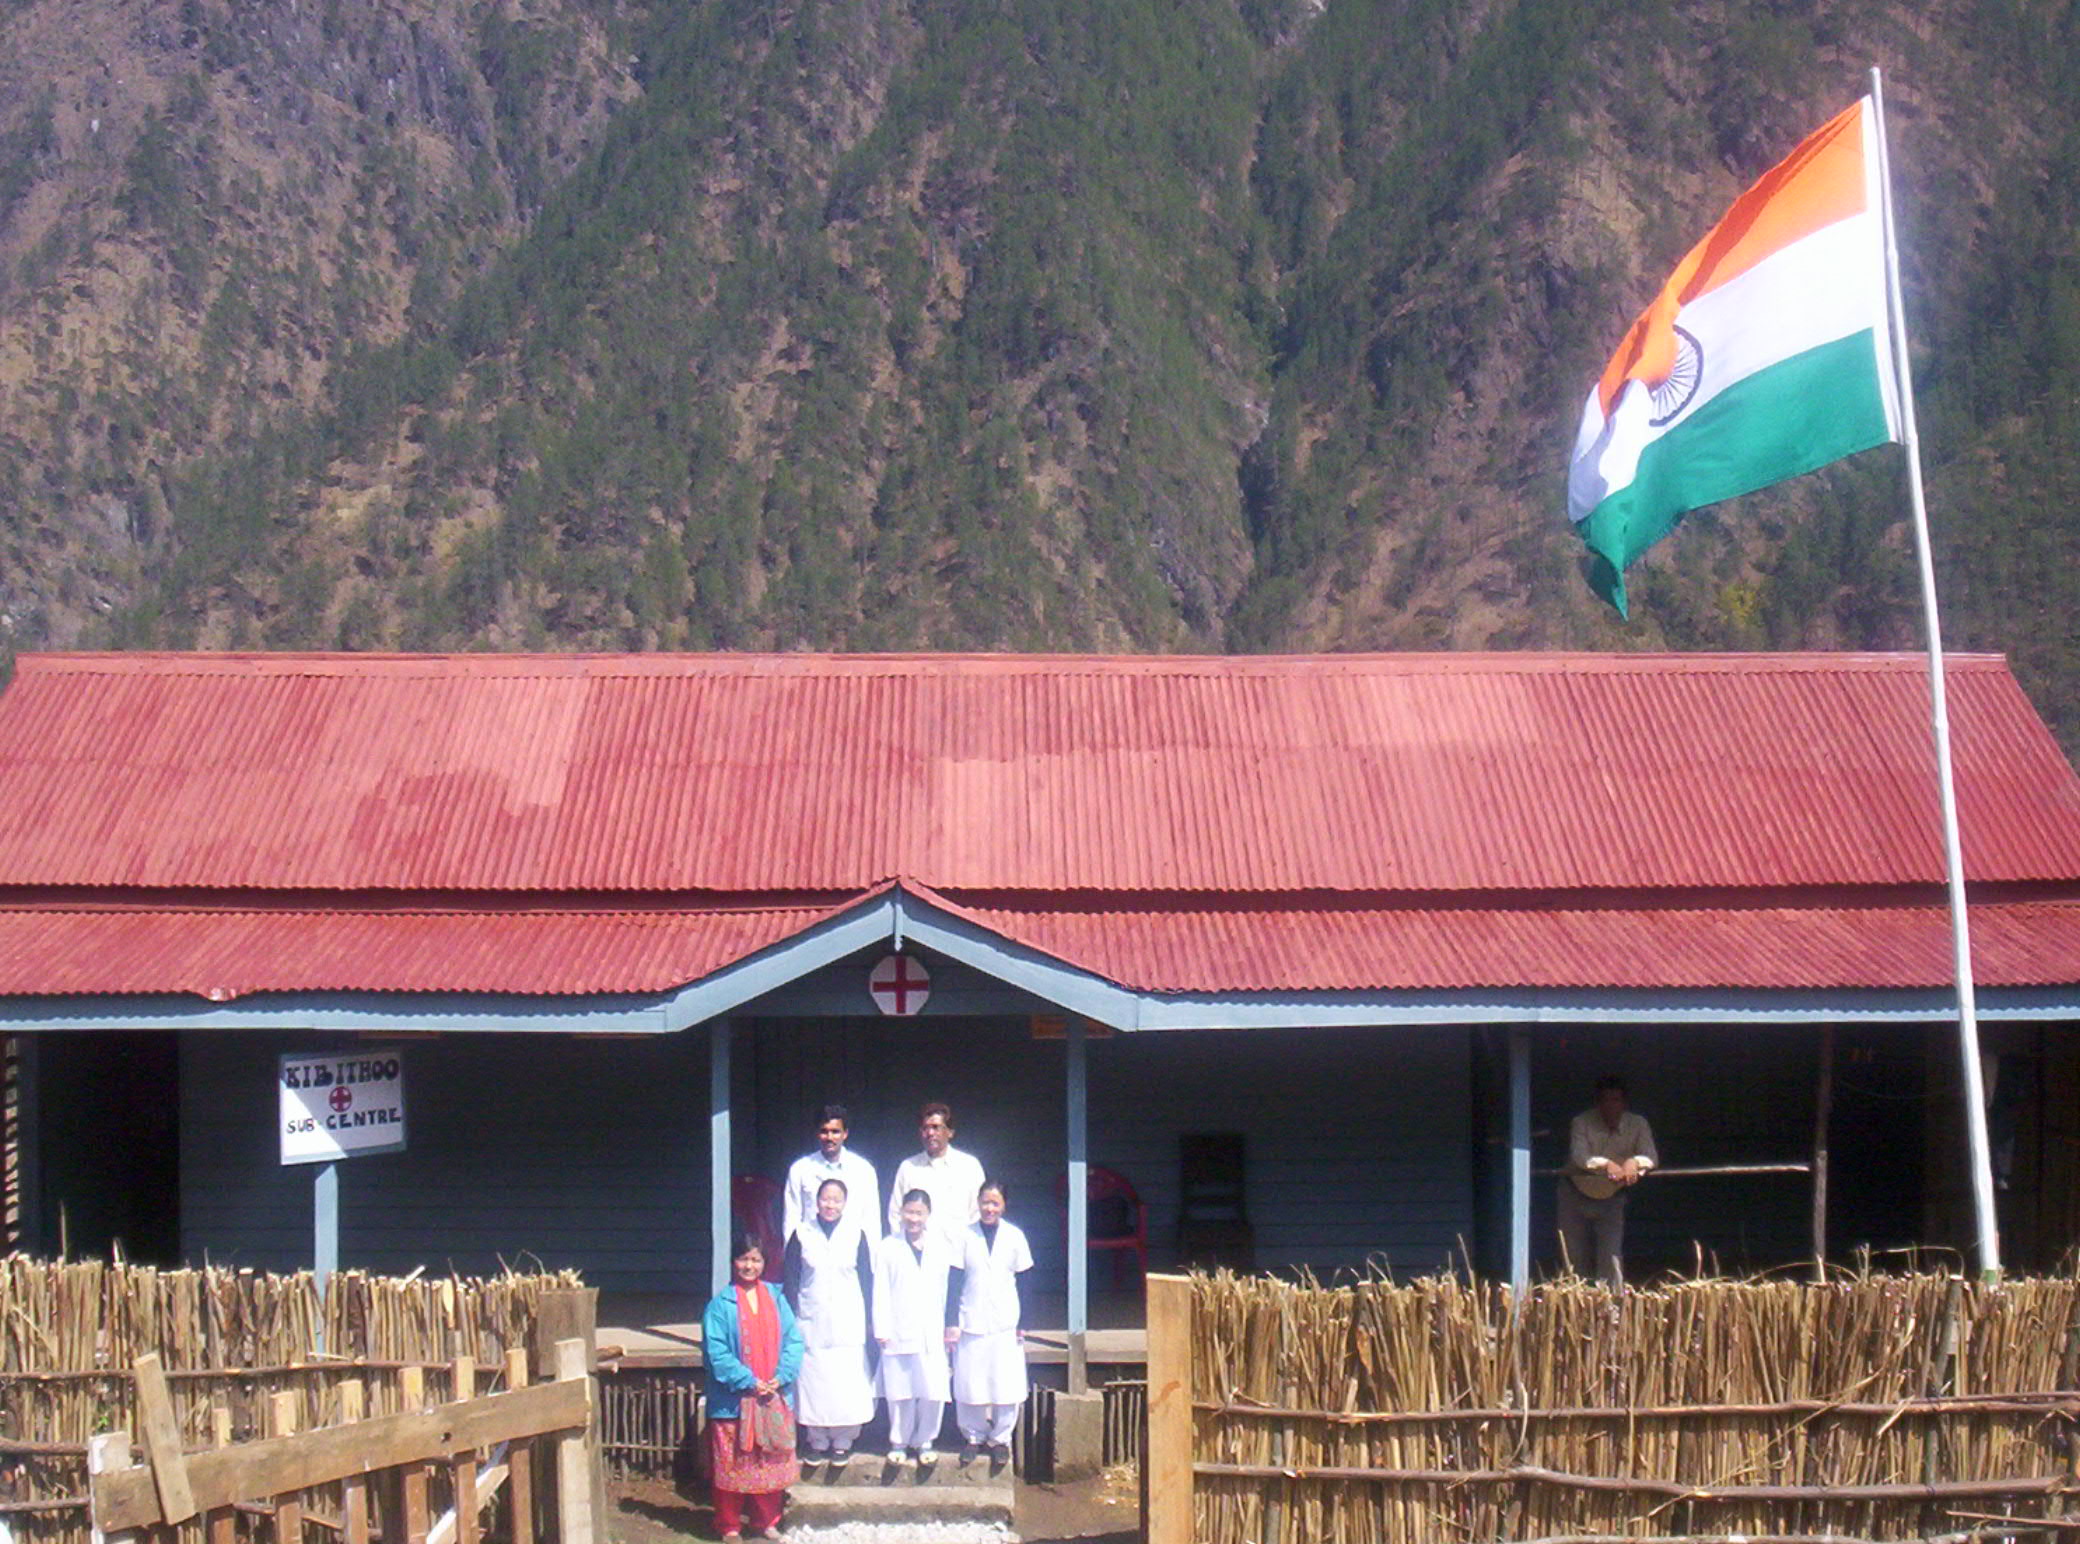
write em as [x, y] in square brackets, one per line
[1816, 185]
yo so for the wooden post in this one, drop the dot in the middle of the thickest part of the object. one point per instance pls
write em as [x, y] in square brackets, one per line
[223, 1522]
[106, 1454]
[162, 1439]
[519, 1460]
[283, 1411]
[719, 1154]
[353, 1407]
[1166, 1465]
[462, 1469]
[411, 1384]
[575, 1501]
[1519, 1161]
[1078, 1221]
[570, 1313]
[1823, 1111]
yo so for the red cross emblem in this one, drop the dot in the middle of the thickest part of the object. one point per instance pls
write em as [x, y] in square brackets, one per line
[899, 985]
[340, 1097]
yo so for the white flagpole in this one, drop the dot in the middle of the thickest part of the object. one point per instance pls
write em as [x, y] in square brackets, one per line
[1939, 715]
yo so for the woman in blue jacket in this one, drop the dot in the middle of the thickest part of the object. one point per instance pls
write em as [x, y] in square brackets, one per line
[753, 1353]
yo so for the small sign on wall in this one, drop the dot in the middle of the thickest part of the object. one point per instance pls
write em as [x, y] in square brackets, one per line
[341, 1104]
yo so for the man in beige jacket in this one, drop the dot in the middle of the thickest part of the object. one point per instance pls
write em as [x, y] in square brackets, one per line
[1609, 1149]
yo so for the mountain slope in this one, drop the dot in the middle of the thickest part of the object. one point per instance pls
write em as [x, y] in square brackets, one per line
[937, 323]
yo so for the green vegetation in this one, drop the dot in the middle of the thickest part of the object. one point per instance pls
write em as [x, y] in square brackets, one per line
[1117, 324]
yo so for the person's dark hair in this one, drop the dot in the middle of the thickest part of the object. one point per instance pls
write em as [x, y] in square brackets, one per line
[917, 1195]
[843, 1188]
[743, 1241]
[1611, 1083]
[993, 1184]
[945, 1112]
[835, 1112]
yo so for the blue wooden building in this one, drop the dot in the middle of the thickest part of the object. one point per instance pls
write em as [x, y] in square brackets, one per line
[1308, 950]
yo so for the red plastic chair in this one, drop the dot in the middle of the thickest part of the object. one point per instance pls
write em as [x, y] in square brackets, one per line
[1101, 1185]
[754, 1200]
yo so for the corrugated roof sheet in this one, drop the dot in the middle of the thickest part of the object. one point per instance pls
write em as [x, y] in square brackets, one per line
[225, 954]
[1301, 947]
[718, 773]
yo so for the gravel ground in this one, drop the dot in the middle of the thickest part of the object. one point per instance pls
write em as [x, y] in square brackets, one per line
[904, 1533]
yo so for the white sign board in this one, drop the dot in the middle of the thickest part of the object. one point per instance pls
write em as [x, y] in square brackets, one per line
[341, 1104]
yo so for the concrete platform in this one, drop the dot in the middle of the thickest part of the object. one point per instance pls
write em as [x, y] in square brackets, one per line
[869, 1491]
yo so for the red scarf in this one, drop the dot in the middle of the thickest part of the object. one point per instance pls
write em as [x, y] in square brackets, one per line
[763, 1425]
[758, 1330]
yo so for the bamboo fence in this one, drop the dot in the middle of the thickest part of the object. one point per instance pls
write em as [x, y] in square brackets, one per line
[230, 1340]
[1867, 1408]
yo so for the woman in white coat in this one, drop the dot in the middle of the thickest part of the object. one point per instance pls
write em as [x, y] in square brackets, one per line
[989, 1363]
[913, 1329]
[829, 1272]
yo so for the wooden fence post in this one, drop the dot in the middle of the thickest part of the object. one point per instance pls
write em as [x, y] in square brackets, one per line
[106, 1454]
[1166, 1464]
[283, 1411]
[462, 1470]
[223, 1522]
[411, 1384]
[520, 1459]
[353, 1406]
[162, 1439]
[575, 1467]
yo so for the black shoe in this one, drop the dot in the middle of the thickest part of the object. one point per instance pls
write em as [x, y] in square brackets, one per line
[999, 1454]
[970, 1451]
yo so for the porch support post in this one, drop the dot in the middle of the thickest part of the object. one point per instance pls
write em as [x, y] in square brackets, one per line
[1079, 1210]
[1823, 1111]
[719, 1219]
[1519, 1159]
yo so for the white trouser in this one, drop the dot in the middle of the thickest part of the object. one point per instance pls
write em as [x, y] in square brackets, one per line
[914, 1423]
[986, 1425]
[823, 1438]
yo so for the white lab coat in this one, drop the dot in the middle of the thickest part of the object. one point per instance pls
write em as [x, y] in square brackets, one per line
[989, 1366]
[835, 1388]
[805, 1176]
[952, 1180]
[910, 1317]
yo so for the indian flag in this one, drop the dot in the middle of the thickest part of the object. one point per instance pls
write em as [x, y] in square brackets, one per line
[1767, 354]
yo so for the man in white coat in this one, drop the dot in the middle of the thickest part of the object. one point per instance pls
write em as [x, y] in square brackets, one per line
[989, 1361]
[942, 1171]
[913, 1329]
[831, 1160]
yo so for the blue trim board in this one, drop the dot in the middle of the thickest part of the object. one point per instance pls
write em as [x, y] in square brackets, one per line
[760, 985]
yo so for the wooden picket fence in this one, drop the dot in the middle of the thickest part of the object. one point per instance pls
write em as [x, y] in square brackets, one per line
[246, 1354]
[366, 1477]
[1869, 1408]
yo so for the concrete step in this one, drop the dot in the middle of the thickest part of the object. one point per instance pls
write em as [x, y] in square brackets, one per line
[873, 1471]
[829, 1506]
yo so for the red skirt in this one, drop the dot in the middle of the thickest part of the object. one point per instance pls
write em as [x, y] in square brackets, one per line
[757, 1473]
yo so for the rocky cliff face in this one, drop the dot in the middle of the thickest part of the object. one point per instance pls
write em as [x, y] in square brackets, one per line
[942, 323]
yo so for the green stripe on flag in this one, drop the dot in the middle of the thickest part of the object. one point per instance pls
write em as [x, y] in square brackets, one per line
[1785, 421]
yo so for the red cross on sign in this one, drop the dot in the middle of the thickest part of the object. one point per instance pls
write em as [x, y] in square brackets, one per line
[899, 985]
[340, 1097]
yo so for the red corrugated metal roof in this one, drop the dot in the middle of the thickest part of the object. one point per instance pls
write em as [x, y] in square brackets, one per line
[224, 954]
[747, 774]
[1310, 948]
